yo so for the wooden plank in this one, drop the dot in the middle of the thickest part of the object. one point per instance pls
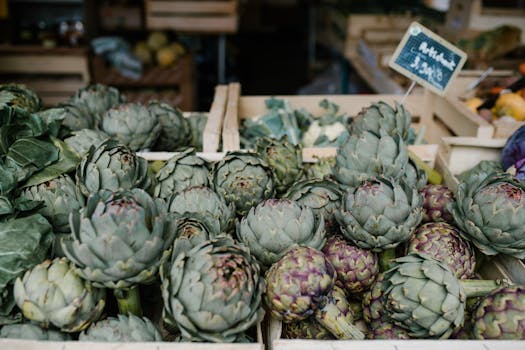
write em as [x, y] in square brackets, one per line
[230, 132]
[359, 23]
[45, 64]
[213, 128]
[192, 7]
[204, 24]
[40, 50]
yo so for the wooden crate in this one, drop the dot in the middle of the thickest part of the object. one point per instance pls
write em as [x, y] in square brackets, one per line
[179, 78]
[452, 113]
[242, 107]
[54, 74]
[192, 16]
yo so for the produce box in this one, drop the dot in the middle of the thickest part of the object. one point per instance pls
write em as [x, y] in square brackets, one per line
[242, 107]
[452, 111]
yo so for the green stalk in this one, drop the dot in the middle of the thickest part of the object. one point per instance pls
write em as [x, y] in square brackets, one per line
[480, 288]
[335, 321]
[128, 301]
[385, 259]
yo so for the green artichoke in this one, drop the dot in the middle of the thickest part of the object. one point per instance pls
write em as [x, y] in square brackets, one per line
[323, 196]
[25, 243]
[32, 332]
[381, 116]
[213, 292]
[284, 158]
[197, 123]
[18, 95]
[380, 214]
[436, 202]
[175, 130]
[72, 116]
[300, 283]
[367, 154]
[243, 179]
[356, 268]
[483, 167]
[306, 329]
[132, 124]
[122, 329]
[413, 176]
[193, 229]
[423, 296]
[276, 225]
[82, 140]
[208, 205]
[95, 100]
[443, 242]
[180, 172]
[60, 197]
[117, 239]
[490, 211]
[111, 166]
[501, 315]
[52, 293]
[321, 169]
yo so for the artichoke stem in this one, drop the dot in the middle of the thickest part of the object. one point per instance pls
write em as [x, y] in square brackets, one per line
[128, 301]
[335, 321]
[385, 259]
[480, 288]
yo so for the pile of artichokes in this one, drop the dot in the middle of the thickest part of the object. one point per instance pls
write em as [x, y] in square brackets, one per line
[98, 245]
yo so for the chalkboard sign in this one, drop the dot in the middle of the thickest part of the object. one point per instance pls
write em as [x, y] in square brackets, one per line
[428, 59]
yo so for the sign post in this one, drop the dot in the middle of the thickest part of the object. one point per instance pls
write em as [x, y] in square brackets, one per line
[427, 59]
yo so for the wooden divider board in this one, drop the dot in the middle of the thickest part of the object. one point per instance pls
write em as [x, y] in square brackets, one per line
[213, 129]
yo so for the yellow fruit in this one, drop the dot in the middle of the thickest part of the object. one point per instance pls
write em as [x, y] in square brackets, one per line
[510, 104]
[179, 49]
[166, 56]
[157, 40]
[142, 52]
[473, 103]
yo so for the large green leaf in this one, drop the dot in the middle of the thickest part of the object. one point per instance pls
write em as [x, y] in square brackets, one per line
[68, 161]
[25, 243]
[7, 179]
[31, 152]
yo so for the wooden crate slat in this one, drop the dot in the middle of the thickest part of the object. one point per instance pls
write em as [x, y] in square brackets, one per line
[230, 134]
[192, 7]
[190, 24]
[213, 128]
[44, 64]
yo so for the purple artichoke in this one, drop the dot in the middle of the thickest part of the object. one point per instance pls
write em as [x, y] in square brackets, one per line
[373, 309]
[306, 329]
[443, 242]
[436, 198]
[385, 331]
[514, 150]
[356, 268]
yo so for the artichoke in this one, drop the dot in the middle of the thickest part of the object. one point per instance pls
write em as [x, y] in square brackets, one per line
[356, 268]
[175, 129]
[367, 154]
[180, 172]
[243, 179]
[373, 308]
[72, 116]
[276, 225]
[306, 329]
[381, 116]
[300, 284]
[82, 140]
[197, 123]
[203, 203]
[386, 331]
[95, 100]
[320, 169]
[483, 167]
[111, 166]
[122, 329]
[490, 211]
[52, 293]
[32, 332]
[284, 158]
[501, 315]
[443, 242]
[132, 124]
[413, 176]
[323, 196]
[436, 202]
[60, 197]
[514, 149]
[18, 95]
[423, 296]
[213, 292]
[118, 237]
[380, 214]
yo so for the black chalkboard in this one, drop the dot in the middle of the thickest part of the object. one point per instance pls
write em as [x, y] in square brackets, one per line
[428, 59]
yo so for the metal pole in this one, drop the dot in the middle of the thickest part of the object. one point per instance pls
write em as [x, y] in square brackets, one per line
[221, 67]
